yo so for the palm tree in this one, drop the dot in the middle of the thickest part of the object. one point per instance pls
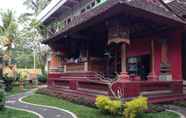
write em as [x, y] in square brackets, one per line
[8, 29]
[32, 34]
[34, 30]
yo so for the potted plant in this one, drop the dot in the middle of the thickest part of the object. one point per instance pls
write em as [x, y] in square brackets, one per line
[23, 76]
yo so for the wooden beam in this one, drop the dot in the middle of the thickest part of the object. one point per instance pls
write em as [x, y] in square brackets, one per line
[74, 1]
[67, 7]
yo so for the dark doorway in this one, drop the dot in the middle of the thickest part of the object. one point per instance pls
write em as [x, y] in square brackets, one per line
[139, 66]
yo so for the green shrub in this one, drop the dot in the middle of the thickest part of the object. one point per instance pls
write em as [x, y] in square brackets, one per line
[181, 103]
[8, 81]
[2, 99]
[135, 106]
[105, 104]
[23, 75]
[42, 78]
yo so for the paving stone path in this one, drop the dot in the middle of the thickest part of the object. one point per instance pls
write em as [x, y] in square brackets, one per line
[41, 111]
[181, 110]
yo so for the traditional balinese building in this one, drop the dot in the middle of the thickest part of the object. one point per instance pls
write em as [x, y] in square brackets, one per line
[123, 48]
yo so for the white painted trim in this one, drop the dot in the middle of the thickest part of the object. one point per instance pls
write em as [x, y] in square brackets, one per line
[72, 114]
[19, 109]
[53, 6]
[180, 114]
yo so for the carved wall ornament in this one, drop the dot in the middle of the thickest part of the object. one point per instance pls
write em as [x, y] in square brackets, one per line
[118, 33]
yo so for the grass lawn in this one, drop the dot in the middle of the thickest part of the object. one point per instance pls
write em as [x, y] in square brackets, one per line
[15, 90]
[159, 115]
[83, 111]
[10, 113]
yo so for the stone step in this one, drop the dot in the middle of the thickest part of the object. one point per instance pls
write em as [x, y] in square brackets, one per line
[156, 93]
[166, 98]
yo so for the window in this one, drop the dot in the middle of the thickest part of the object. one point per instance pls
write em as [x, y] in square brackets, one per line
[83, 10]
[139, 66]
[93, 4]
[69, 20]
[88, 7]
[65, 22]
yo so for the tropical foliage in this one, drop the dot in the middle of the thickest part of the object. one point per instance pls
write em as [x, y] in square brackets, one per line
[137, 105]
[105, 104]
[2, 99]
[8, 33]
[31, 33]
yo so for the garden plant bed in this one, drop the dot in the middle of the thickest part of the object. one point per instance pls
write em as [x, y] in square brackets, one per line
[15, 90]
[84, 111]
[180, 103]
[10, 113]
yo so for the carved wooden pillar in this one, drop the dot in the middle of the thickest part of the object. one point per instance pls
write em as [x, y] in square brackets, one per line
[152, 75]
[165, 73]
[65, 68]
[118, 33]
[86, 66]
[124, 73]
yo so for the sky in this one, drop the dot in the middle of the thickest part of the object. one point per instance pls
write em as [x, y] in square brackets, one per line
[16, 5]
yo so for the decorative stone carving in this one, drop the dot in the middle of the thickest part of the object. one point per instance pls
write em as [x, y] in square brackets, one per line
[118, 32]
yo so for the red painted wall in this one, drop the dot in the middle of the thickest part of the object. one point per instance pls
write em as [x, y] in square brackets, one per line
[139, 47]
[174, 55]
[157, 56]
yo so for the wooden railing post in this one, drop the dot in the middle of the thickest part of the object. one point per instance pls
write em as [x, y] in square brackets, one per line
[152, 76]
[86, 66]
[65, 68]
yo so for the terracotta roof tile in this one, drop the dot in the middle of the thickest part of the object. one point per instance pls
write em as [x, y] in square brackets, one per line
[178, 6]
[155, 8]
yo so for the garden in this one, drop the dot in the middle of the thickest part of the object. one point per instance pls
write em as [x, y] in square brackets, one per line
[12, 84]
[24, 64]
[10, 113]
[105, 107]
